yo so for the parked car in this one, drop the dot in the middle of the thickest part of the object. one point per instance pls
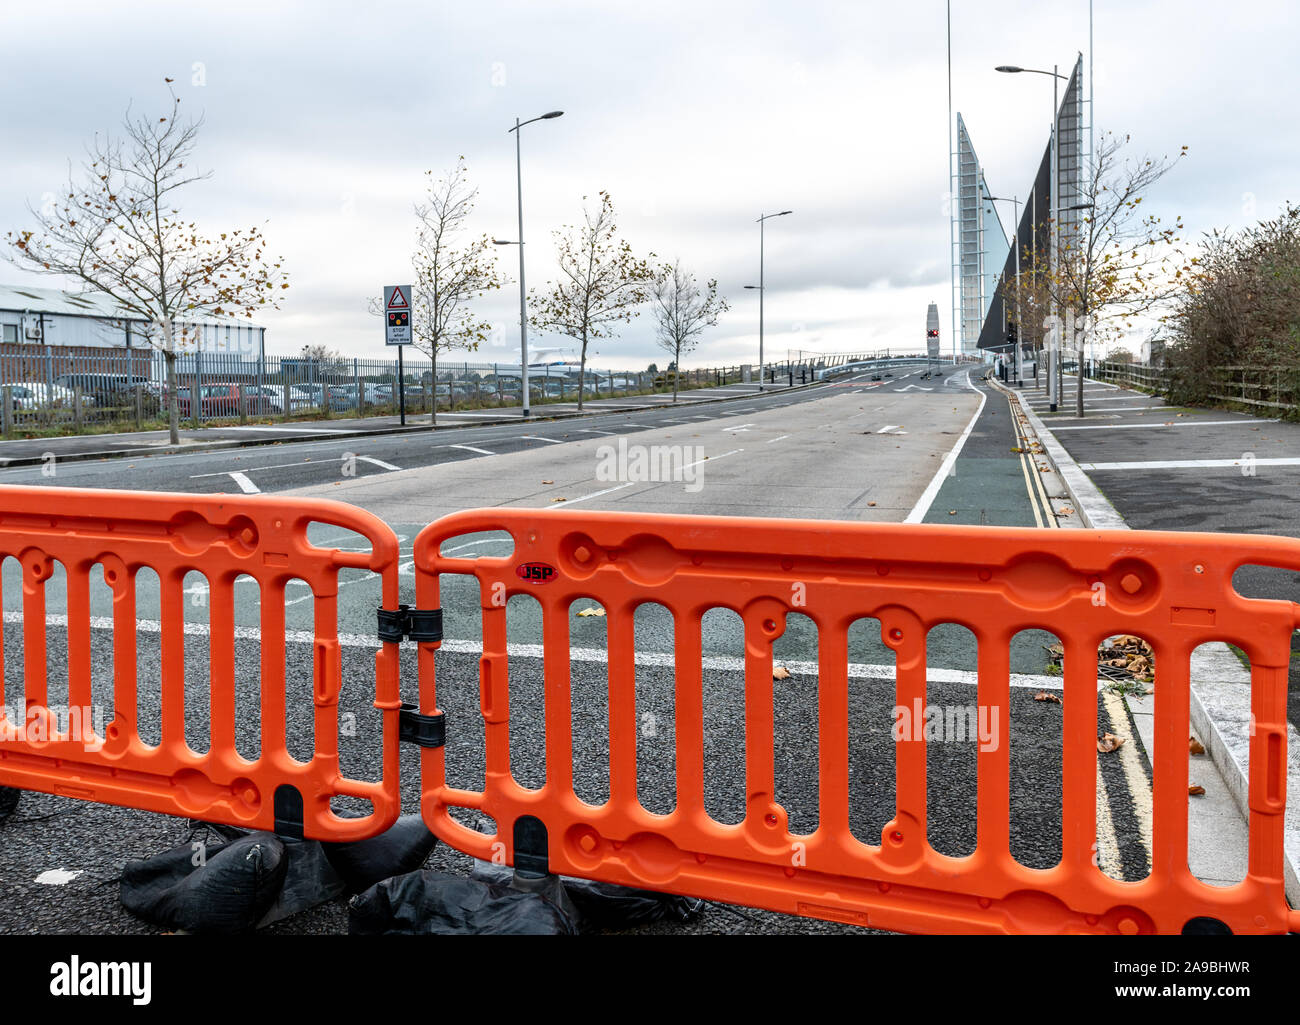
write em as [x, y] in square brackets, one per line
[39, 395]
[110, 389]
[315, 396]
[217, 400]
[343, 397]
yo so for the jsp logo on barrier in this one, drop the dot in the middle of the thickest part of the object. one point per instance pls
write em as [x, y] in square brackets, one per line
[651, 464]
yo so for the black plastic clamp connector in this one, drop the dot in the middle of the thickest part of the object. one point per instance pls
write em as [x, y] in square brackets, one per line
[421, 730]
[404, 621]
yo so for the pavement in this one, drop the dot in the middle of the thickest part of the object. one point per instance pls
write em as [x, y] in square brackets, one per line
[906, 448]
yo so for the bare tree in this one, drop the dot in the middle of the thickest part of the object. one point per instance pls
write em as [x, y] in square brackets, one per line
[118, 231]
[449, 273]
[682, 310]
[601, 284]
[1117, 263]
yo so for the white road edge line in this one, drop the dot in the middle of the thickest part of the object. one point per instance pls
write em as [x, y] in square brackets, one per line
[945, 468]
[471, 448]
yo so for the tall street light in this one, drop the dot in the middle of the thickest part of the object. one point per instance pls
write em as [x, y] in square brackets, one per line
[1015, 241]
[523, 308]
[1053, 359]
[760, 289]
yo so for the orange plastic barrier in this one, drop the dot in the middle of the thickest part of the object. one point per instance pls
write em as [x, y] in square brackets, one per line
[222, 537]
[1175, 590]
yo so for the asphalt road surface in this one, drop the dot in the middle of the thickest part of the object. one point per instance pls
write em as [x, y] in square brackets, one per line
[855, 450]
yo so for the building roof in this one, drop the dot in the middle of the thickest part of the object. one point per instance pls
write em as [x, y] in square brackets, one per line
[26, 299]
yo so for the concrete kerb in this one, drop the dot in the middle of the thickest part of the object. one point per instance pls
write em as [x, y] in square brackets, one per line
[317, 435]
[1220, 693]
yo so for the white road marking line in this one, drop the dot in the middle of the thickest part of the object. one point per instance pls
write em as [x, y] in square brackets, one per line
[1101, 397]
[742, 427]
[1153, 426]
[253, 469]
[245, 485]
[701, 418]
[583, 498]
[713, 459]
[945, 468]
[538, 437]
[782, 438]
[377, 462]
[592, 430]
[888, 429]
[1189, 464]
[471, 448]
[667, 659]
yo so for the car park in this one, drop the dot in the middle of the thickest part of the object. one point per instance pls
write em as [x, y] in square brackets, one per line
[222, 400]
[106, 389]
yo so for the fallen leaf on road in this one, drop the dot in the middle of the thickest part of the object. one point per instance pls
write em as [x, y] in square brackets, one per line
[871, 503]
[1196, 791]
[1047, 695]
[595, 610]
[952, 512]
[780, 673]
[548, 482]
[1195, 746]
[1108, 742]
[559, 499]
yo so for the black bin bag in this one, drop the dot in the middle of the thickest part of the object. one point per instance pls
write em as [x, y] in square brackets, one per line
[222, 894]
[429, 903]
[601, 906]
[230, 892]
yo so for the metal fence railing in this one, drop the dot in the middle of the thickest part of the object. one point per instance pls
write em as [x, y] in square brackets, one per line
[47, 389]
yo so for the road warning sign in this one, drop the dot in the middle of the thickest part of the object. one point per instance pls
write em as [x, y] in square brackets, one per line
[397, 314]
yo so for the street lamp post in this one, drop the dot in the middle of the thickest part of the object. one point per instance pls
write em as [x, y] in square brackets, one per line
[1053, 358]
[760, 289]
[523, 307]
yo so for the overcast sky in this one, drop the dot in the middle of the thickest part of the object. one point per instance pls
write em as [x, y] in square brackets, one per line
[695, 116]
